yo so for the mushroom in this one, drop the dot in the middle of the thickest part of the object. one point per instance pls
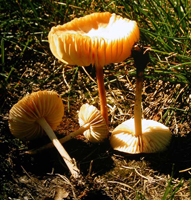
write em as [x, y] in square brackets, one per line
[98, 39]
[140, 135]
[155, 137]
[93, 126]
[96, 127]
[38, 112]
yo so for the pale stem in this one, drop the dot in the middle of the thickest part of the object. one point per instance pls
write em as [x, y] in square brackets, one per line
[73, 169]
[62, 140]
[137, 108]
[102, 93]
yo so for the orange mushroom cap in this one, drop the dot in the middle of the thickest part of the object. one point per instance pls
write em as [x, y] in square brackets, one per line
[155, 137]
[98, 38]
[24, 115]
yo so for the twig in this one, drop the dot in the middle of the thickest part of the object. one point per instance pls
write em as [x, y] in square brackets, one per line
[63, 74]
[32, 180]
[88, 75]
[185, 170]
[90, 168]
[73, 6]
[123, 184]
[150, 179]
[69, 183]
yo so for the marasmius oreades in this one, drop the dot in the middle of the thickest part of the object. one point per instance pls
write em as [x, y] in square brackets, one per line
[98, 39]
[39, 113]
[140, 135]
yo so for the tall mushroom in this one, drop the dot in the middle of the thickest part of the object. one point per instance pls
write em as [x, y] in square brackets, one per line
[140, 135]
[37, 113]
[92, 125]
[98, 39]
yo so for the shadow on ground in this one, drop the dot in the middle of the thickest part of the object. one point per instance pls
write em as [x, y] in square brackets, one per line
[91, 159]
[176, 160]
[96, 195]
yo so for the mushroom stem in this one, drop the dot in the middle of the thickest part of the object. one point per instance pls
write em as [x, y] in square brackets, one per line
[62, 140]
[102, 93]
[137, 108]
[141, 59]
[69, 162]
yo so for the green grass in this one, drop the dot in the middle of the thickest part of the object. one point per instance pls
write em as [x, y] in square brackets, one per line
[172, 188]
[165, 29]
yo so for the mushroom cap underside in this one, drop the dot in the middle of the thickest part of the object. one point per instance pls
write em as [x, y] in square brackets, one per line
[98, 38]
[98, 130]
[24, 115]
[155, 137]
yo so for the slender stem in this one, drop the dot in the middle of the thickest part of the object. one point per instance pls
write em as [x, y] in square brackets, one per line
[73, 169]
[141, 59]
[62, 140]
[137, 108]
[102, 93]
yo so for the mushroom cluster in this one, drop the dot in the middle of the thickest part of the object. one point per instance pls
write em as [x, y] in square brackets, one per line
[98, 39]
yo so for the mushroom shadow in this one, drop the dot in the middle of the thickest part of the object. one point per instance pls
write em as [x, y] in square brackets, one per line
[176, 160]
[96, 195]
[91, 158]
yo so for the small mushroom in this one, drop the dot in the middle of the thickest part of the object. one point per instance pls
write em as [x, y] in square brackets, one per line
[155, 137]
[93, 126]
[98, 39]
[140, 135]
[37, 113]
[90, 116]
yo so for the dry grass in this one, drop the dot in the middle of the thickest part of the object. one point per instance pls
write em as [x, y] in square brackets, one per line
[106, 174]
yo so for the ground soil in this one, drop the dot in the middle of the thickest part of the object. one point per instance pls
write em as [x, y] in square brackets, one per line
[105, 173]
